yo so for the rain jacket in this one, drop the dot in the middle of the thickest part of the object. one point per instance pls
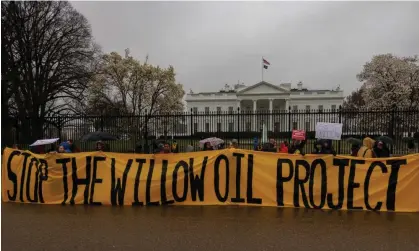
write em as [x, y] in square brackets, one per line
[366, 150]
[283, 148]
[66, 146]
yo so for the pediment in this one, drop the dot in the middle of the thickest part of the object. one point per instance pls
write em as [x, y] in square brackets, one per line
[263, 88]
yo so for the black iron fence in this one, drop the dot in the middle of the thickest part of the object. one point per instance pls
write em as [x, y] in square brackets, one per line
[245, 126]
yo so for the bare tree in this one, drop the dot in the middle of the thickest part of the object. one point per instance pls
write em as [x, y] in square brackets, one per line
[48, 60]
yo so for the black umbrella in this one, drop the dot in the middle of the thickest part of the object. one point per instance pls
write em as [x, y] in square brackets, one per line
[354, 141]
[408, 139]
[96, 136]
[385, 139]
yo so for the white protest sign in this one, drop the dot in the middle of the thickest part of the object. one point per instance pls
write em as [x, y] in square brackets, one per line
[331, 131]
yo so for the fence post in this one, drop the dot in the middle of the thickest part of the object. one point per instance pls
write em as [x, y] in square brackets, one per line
[238, 125]
[101, 122]
[146, 145]
[340, 121]
[59, 128]
[289, 123]
[191, 125]
[392, 126]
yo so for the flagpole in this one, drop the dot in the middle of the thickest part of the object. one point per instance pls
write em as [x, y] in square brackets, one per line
[262, 68]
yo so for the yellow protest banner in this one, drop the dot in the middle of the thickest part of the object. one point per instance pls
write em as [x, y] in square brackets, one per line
[225, 177]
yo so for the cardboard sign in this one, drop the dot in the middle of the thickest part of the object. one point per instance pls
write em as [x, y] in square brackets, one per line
[331, 131]
[298, 134]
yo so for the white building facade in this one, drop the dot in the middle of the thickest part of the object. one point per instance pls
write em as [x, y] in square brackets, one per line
[272, 101]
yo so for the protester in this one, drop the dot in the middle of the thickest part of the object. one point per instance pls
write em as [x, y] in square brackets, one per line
[61, 149]
[354, 150]
[221, 146]
[258, 147]
[381, 150]
[138, 148]
[73, 147]
[283, 147]
[175, 147]
[65, 147]
[297, 147]
[317, 147]
[270, 146]
[100, 146]
[234, 144]
[366, 151]
[208, 147]
[327, 148]
[40, 149]
[256, 143]
[411, 146]
[166, 148]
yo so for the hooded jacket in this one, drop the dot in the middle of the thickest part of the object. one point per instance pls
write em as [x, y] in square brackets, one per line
[66, 146]
[366, 150]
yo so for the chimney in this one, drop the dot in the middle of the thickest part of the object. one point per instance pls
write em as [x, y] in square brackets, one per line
[300, 86]
[286, 86]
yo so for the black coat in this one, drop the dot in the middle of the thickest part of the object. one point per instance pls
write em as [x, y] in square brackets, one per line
[268, 147]
[382, 153]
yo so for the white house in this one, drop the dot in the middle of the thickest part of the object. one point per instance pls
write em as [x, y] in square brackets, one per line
[271, 100]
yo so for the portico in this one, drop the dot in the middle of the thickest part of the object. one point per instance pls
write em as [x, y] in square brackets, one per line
[263, 98]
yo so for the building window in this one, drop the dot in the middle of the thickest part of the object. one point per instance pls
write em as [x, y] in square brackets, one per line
[248, 126]
[308, 108]
[206, 110]
[195, 109]
[195, 127]
[333, 108]
[295, 108]
[206, 127]
[320, 108]
[230, 109]
[218, 127]
[230, 127]
[218, 109]
[307, 126]
[294, 125]
[277, 127]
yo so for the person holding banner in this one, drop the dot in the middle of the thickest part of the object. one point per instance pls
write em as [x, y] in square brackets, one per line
[297, 147]
[381, 150]
[317, 147]
[284, 147]
[326, 148]
[366, 151]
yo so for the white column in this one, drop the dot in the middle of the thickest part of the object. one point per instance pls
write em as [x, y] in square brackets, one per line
[271, 119]
[254, 115]
[238, 105]
[235, 124]
[285, 122]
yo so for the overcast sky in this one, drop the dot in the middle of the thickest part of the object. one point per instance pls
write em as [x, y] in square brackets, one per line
[323, 44]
